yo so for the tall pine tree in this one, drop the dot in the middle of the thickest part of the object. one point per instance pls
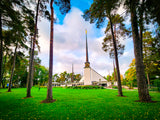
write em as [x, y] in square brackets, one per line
[98, 12]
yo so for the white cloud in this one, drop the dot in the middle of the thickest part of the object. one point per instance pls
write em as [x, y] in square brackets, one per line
[69, 45]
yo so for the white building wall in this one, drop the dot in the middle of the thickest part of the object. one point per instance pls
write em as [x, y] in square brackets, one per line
[87, 76]
[116, 83]
[109, 83]
[91, 75]
[96, 76]
[82, 80]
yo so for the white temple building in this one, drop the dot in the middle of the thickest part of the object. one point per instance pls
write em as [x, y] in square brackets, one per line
[91, 77]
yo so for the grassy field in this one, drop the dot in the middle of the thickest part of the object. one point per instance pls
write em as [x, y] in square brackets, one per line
[77, 104]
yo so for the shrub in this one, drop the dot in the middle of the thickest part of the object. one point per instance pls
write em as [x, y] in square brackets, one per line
[115, 87]
[43, 86]
[58, 87]
[155, 86]
[86, 87]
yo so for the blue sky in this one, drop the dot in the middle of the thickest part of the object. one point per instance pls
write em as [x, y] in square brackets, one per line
[81, 4]
[69, 42]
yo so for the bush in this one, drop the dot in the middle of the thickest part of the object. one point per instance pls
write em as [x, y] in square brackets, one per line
[115, 87]
[154, 89]
[58, 87]
[36, 86]
[43, 86]
[86, 87]
[155, 86]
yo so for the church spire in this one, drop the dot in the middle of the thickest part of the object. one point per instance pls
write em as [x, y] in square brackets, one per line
[72, 77]
[87, 64]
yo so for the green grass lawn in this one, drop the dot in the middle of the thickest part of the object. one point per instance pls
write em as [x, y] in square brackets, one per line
[77, 104]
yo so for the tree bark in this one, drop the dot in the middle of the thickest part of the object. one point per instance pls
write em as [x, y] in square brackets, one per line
[148, 80]
[115, 74]
[12, 72]
[3, 71]
[1, 49]
[32, 54]
[31, 43]
[116, 60]
[49, 90]
[141, 26]
[141, 80]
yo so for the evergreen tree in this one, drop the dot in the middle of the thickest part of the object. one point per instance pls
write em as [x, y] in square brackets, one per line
[98, 12]
[151, 55]
[40, 7]
[8, 15]
[118, 34]
[64, 6]
[131, 6]
[19, 41]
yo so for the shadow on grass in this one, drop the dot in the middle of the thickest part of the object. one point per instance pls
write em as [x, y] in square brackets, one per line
[146, 101]
[48, 101]
[121, 96]
[27, 97]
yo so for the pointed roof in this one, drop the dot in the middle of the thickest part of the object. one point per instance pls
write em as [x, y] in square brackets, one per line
[87, 64]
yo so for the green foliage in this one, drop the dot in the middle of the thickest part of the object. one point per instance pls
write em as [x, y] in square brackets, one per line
[86, 87]
[77, 104]
[114, 75]
[58, 87]
[151, 54]
[77, 77]
[64, 5]
[40, 74]
[121, 32]
[115, 87]
[97, 13]
[43, 87]
[99, 10]
[21, 74]
[65, 77]
[109, 78]
[157, 82]
[155, 86]
[153, 9]
[130, 76]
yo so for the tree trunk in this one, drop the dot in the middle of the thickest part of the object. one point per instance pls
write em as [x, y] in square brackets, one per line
[115, 75]
[141, 80]
[31, 44]
[141, 26]
[148, 80]
[12, 72]
[116, 60]
[49, 90]
[1, 49]
[33, 69]
[32, 54]
[3, 84]
[3, 71]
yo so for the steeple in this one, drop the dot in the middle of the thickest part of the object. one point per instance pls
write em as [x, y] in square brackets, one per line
[87, 64]
[72, 77]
